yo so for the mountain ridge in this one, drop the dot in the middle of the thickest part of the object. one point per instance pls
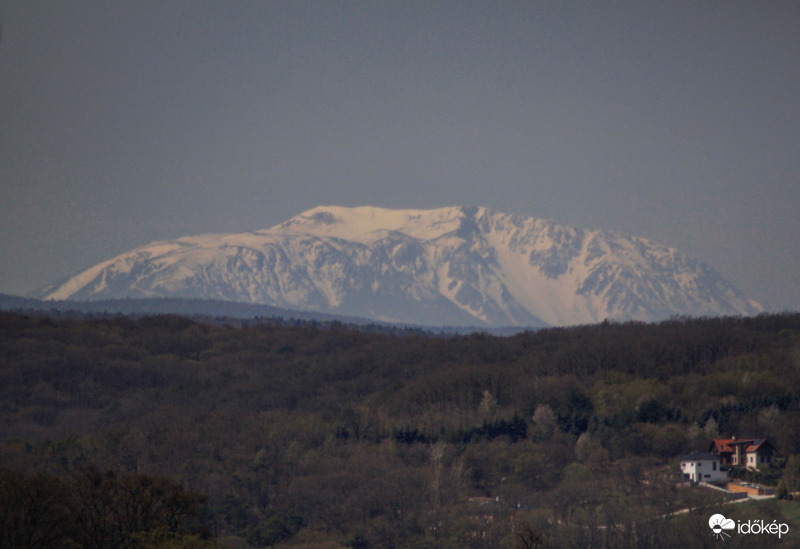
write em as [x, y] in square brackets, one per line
[449, 266]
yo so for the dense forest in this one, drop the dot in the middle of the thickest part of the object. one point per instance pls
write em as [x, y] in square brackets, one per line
[163, 431]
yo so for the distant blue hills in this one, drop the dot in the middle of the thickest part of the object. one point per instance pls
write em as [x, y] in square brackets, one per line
[215, 310]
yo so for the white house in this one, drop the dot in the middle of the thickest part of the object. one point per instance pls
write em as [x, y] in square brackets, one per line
[703, 467]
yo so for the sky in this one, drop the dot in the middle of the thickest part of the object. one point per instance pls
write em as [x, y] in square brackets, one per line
[126, 122]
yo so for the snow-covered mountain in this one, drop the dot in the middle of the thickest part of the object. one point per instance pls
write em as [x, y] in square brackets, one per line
[447, 266]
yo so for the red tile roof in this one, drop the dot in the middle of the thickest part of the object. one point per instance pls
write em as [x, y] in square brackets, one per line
[727, 444]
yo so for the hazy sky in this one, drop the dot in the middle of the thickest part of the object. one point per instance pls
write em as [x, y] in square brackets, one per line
[125, 122]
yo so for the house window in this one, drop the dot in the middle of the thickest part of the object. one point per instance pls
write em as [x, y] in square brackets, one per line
[699, 464]
[713, 465]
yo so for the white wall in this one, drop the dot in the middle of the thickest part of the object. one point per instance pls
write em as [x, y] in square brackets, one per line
[703, 471]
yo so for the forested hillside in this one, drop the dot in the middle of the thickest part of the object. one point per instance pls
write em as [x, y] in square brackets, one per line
[327, 436]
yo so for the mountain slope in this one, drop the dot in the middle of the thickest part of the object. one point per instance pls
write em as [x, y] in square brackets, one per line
[458, 265]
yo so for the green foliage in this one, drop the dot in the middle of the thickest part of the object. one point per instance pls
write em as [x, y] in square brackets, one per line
[408, 435]
[163, 538]
[92, 509]
[654, 411]
[358, 542]
[515, 428]
[322, 434]
[789, 485]
[276, 528]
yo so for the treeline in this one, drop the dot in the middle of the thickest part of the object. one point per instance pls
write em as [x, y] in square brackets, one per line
[302, 435]
[94, 509]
